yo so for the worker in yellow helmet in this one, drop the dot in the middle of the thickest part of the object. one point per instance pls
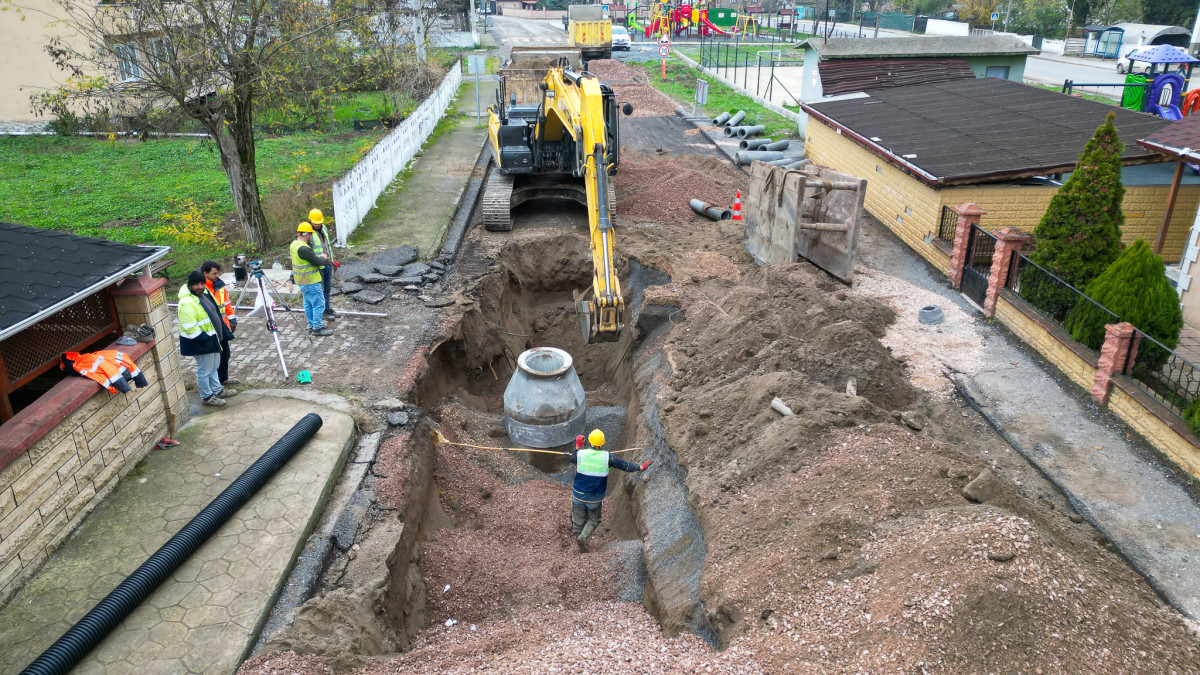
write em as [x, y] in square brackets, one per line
[591, 484]
[321, 246]
[306, 272]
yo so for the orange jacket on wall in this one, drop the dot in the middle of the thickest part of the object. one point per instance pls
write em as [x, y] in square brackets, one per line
[110, 368]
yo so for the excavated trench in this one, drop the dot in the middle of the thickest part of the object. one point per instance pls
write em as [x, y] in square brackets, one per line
[654, 538]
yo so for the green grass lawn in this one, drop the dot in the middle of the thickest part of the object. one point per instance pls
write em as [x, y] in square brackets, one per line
[681, 86]
[121, 190]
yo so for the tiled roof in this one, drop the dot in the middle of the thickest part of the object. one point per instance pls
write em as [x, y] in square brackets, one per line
[41, 268]
[919, 47]
[981, 130]
[1175, 137]
[844, 76]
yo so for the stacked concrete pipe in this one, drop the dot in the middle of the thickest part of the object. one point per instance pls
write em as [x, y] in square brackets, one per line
[748, 131]
[736, 119]
[721, 119]
[745, 157]
[777, 145]
[754, 143]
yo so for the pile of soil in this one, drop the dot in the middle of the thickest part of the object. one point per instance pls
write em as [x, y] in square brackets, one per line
[657, 190]
[630, 87]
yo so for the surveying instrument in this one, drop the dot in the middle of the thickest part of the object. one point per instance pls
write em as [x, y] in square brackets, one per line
[266, 303]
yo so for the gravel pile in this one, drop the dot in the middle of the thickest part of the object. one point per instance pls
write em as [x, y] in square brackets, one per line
[658, 191]
[930, 353]
[629, 86]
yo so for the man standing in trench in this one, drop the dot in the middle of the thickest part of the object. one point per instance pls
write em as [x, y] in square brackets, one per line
[591, 484]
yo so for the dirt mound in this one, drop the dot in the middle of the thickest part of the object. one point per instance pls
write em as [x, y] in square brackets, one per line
[630, 87]
[657, 190]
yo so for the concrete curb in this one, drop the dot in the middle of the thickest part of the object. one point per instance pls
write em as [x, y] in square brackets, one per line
[795, 117]
[468, 199]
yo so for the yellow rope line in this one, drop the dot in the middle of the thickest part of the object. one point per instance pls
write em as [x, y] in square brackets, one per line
[439, 438]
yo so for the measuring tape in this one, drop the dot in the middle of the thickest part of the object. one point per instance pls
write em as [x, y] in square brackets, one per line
[439, 438]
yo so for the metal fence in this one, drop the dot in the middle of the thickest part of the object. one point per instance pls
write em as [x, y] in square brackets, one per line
[741, 62]
[1127, 94]
[948, 225]
[354, 194]
[1162, 373]
[1060, 302]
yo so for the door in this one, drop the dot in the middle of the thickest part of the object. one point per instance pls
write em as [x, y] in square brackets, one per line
[980, 247]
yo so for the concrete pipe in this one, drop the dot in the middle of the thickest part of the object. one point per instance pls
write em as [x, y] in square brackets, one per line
[746, 156]
[544, 403]
[736, 119]
[753, 143]
[777, 145]
[721, 119]
[747, 132]
[709, 211]
[730, 132]
[783, 162]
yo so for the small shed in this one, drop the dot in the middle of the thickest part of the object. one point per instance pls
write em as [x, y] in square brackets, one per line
[1113, 41]
[839, 66]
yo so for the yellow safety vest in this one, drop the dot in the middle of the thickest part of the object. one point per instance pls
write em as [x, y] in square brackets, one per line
[303, 272]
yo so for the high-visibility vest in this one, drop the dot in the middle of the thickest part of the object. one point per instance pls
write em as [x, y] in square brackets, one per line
[220, 296]
[320, 241]
[193, 320]
[591, 462]
[303, 272]
[105, 367]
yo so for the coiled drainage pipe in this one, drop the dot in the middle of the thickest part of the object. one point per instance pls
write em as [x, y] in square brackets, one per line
[81, 638]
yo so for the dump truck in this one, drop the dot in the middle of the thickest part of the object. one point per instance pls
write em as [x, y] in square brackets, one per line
[527, 67]
[589, 31]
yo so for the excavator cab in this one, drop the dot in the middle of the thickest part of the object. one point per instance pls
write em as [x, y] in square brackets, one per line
[566, 145]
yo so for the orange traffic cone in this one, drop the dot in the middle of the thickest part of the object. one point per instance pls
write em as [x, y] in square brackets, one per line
[737, 206]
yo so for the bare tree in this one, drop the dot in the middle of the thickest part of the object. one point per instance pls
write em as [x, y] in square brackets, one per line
[210, 58]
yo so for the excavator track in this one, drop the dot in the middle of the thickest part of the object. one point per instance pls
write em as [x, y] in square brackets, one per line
[496, 204]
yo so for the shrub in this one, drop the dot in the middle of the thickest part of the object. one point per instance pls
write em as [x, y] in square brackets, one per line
[1079, 236]
[1136, 288]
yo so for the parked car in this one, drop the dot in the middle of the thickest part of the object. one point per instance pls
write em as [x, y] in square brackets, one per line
[1126, 64]
[620, 38]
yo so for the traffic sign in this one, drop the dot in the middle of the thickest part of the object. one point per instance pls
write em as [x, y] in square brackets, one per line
[995, 16]
[664, 51]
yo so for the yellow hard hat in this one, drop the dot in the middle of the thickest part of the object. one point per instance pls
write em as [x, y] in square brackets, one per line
[316, 217]
[596, 438]
[305, 227]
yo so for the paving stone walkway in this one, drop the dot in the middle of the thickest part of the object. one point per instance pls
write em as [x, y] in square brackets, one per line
[207, 615]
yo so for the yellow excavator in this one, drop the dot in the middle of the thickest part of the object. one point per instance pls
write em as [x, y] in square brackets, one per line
[562, 144]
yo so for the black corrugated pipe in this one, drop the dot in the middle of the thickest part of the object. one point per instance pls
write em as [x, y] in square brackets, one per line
[81, 638]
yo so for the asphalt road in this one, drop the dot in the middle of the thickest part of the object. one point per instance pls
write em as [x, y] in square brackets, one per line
[516, 32]
[1055, 70]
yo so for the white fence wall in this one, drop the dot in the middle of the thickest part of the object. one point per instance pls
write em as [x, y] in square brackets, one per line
[354, 194]
[943, 27]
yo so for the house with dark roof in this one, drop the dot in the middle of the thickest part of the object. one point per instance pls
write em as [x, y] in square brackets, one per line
[65, 441]
[1002, 145]
[841, 66]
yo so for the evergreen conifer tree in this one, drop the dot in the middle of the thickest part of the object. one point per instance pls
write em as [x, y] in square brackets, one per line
[1136, 289]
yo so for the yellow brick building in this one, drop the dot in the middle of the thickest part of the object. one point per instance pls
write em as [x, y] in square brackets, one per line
[916, 163]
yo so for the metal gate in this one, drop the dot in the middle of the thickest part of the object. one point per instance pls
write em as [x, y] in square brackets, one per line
[978, 266]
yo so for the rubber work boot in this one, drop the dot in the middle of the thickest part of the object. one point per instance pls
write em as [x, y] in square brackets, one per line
[581, 540]
[581, 543]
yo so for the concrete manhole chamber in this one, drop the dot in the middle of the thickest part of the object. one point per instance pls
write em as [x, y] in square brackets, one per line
[544, 403]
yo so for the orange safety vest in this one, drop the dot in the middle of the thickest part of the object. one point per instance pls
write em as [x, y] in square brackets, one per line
[221, 297]
[105, 367]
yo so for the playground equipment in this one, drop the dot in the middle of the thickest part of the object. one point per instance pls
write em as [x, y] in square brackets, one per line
[680, 19]
[1164, 94]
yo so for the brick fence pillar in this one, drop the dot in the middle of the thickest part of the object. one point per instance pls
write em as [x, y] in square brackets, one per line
[1114, 355]
[141, 300]
[968, 215]
[1009, 242]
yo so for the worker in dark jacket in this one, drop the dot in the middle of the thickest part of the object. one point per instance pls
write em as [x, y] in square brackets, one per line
[591, 484]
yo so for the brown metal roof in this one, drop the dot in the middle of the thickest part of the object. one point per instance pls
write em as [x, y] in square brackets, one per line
[850, 75]
[1176, 137]
[919, 47]
[981, 130]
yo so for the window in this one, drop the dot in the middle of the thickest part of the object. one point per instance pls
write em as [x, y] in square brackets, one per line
[997, 71]
[159, 52]
[29, 359]
[127, 58]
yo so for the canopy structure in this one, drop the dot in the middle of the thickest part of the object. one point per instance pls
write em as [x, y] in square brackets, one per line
[1163, 54]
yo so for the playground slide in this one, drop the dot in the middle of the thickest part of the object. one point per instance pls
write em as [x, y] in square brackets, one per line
[1169, 112]
[634, 25]
[704, 20]
[679, 31]
[652, 29]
